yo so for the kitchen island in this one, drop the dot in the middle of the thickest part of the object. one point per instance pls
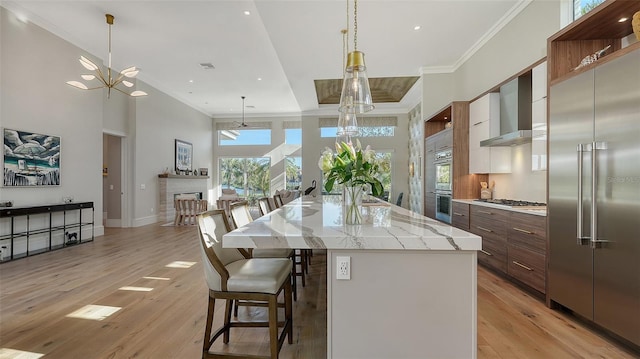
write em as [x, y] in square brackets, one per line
[412, 286]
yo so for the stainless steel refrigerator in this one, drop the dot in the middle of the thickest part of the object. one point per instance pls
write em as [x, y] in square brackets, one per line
[594, 195]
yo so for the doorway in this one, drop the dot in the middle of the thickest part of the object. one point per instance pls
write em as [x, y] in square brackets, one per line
[112, 183]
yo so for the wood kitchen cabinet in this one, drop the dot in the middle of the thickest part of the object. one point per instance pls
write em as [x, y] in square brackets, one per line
[460, 215]
[513, 243]
[491, 225]
[484, 123]
[526, 250]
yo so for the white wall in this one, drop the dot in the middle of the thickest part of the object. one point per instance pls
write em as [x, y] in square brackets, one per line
[517, 46]
[34, 97]
[35, 65]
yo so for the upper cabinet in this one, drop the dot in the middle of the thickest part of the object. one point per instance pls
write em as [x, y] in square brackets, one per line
[539, 117]
[590, 34]
[484, 123]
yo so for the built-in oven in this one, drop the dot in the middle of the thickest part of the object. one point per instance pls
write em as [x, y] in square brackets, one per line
[444, 173]
[443, 206]
[443, 170]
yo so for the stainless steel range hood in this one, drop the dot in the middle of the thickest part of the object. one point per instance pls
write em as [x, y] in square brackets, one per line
[515, 113]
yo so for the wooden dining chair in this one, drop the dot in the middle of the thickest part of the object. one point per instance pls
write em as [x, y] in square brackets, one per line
[231, 276]
[277, 199]
[241, 216]
[264, 205]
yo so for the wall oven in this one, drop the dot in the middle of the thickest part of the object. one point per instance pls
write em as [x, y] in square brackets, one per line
[444, 173]
[443, 206]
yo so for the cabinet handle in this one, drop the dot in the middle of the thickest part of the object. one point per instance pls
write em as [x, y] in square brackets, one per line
[522, 230]
[458, 214]
[487, 253]
[484, 229]
[522, 265]
[485, 212]
[477, 123]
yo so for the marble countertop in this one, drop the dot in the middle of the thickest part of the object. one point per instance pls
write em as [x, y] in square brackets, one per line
[316, 223]
[537, 212]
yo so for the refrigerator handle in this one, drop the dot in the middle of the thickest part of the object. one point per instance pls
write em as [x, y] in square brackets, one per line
[582, 240]
[595, 146]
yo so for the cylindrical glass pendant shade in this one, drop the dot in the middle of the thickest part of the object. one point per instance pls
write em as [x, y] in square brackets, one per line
[356, 95]
[347, 124]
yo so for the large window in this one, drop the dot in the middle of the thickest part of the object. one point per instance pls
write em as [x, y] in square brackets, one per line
[248, 176]
[293, 136]
[246, 137]
[293, 172]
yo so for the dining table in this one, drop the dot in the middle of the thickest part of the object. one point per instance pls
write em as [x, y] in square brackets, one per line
[399, 285]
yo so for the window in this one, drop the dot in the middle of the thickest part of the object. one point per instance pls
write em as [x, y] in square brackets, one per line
[581, 7]
[247, 137]
[293, 172]
[375, 131]
[293, 136]
[250, 177]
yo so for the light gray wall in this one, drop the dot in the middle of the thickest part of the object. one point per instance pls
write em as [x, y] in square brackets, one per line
[517, 46]
[35, 65]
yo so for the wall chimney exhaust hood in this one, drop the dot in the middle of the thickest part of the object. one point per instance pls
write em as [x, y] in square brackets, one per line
[515, 113]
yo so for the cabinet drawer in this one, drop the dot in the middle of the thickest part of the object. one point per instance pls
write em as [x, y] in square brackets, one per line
[528, 231]
[460, 215]
[489, 213]
[486, 227]
[527, 266]
[493, 254]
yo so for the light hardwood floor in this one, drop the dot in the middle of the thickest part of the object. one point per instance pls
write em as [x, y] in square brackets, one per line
[37, 293]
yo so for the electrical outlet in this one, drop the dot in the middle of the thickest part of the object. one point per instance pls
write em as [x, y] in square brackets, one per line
[343, 267]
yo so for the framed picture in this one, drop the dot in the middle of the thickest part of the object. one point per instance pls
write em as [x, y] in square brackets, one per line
[184, 156]
[30, 159]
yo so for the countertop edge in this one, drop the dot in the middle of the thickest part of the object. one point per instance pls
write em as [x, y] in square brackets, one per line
[535, 212]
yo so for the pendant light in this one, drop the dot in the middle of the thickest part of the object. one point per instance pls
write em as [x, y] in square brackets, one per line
[347, 121]
[107, 81]
[356, 94]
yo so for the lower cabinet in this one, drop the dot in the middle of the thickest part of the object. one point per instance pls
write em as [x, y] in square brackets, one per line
[527, 248]
[490, 224]
[460, 215]
[430, 205]
[513, 243]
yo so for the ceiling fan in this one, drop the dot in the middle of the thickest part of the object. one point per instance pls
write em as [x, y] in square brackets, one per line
[242, 124]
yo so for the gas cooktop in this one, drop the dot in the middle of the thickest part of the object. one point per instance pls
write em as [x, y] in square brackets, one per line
[514, 203]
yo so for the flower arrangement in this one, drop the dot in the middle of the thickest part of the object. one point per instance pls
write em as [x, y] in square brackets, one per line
[351, 166]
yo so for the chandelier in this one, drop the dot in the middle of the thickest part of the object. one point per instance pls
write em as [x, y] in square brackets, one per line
[108, 81]
[356, 95]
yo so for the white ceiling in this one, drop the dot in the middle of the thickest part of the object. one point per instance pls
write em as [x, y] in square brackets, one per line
[286, 43]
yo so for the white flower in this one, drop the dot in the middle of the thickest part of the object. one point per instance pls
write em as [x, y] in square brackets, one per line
[369, 155]
[326, 160]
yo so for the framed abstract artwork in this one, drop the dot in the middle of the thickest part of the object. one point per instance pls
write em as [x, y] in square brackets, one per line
[184, 156]
[30, 159]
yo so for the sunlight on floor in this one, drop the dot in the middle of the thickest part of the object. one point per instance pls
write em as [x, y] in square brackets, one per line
[137, 289]
[180, 264]
[6, 353]
[94, 312]
[157, 278]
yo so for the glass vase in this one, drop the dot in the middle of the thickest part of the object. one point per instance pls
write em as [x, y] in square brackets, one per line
[352, 198]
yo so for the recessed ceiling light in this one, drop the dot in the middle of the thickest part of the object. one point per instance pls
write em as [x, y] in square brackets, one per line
[190, 81]
[259, 78]
[417, 27]
[623, 19]
[247, 12]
